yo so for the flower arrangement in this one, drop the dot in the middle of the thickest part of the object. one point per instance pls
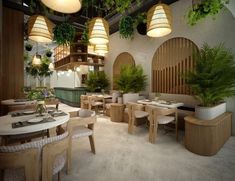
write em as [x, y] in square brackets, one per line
[40, 94]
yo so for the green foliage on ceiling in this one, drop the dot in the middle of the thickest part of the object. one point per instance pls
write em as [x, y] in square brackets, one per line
[214, 76]
[126, 27]
[120, 5]
[131, 79]
[204, 9]
[64, 33]
[97, 81]
[85, 35]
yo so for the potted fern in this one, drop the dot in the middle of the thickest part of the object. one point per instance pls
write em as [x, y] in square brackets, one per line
[212, 80]
[97, 81]
[131, 81]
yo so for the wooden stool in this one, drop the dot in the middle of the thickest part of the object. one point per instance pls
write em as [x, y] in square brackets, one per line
[116, 112]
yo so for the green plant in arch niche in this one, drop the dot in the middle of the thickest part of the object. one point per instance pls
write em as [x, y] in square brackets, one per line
[131, 79]
[97, 81]
[64, 33]
[213, 78]
[203, 9]
[126, 28]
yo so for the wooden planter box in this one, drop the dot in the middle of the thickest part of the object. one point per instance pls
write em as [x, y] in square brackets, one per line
[207, 137]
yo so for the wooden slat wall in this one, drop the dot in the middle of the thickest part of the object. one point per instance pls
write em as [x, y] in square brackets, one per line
[12, 53]
[0, 50]
[172, 59]
[124, 58]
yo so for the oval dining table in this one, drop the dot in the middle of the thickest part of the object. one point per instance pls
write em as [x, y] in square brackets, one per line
[6, 128]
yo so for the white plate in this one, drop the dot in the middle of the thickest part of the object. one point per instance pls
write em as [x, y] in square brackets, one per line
[28, 112]
[35, 120]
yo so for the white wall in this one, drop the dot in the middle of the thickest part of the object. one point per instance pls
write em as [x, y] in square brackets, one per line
[143, 48]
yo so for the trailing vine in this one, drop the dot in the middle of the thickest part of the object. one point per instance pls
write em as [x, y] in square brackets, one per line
[204, 9]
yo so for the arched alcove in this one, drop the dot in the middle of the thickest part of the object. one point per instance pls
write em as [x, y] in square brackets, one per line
[170, 61]
[124, 58]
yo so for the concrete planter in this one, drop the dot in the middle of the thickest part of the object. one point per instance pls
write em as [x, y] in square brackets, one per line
[208, 113]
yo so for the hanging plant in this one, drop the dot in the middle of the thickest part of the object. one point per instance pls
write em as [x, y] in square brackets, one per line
[85, 35]
[48, 53]
[28, 47]
[203, 9]
[126, 28]
[64, 33]
[141, 23]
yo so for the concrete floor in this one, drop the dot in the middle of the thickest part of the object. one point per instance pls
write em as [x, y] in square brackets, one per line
[124, 157]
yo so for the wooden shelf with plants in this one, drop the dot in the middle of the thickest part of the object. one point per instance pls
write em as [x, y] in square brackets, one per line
[76, 54]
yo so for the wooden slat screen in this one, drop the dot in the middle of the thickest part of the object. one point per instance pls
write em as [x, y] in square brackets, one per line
[124, 58]
[170, 61]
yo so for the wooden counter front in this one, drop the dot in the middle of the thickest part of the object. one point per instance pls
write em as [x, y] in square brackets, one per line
[207, 137]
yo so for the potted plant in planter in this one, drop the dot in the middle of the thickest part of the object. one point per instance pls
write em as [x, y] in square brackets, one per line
[97, 81]
[28, 47]
[48, 53]
[212, 80]
[131, 81]
[141, 23]
[126, 28]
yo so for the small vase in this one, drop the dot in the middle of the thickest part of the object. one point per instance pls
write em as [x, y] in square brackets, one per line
[41, 108]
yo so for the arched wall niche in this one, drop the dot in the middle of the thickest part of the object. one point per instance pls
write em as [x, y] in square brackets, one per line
[124, 58]
[172, 59]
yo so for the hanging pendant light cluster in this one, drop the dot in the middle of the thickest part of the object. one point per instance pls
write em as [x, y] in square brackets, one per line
[159, 20]
[99, 35]
[40, 29]
[64, 6]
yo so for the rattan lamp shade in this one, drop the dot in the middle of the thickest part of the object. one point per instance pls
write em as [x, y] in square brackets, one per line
[98, 31]
[40, 29]
[159, 20]
[101, 49]
[64, 6]
[36, 60]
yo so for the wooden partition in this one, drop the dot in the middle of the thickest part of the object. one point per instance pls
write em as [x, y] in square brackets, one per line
[171, 60]
[124, 58]
[0, 50]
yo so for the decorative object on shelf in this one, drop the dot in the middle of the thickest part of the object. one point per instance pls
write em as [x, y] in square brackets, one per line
[48, 53]
[51, 66]
[141, 23]
[101, 49]
[85, 35]
[28, 47]
[98, 31]
[126, 29]
[36, 60]
[203, 8]
[97, 81]
[39, 72]
[159, 20]
[71, 6]
[131, 79]
[40, 29]
[64, 33]
[212, 80]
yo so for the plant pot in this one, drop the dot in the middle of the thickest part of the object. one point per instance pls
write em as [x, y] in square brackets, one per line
[49, 54]
[209, 113]
[142, 28]
[28, 48]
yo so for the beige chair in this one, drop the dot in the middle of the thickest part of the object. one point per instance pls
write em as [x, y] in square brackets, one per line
[97, 102]
[84, 101]
[135, 111]
[31, 155]
[52, 102]
[161, 116]
[81, 124]
[109, 102]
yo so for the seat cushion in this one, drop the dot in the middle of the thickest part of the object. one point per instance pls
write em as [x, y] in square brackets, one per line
[141, 114]
[81, 131]
[165, 119]
[59, 163]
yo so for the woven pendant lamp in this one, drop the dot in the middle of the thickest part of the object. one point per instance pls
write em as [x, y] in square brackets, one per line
[101, 49]
[51, 66]
[159, 20]
[36, 60]
[98, 31]
[64, 6]
[40, 29]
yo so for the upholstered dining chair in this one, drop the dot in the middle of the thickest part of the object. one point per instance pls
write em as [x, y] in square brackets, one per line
[109, 102]
[95, 101]
[135, 111]
[81, 124]
[161, 116]
[31, 157]
[84, 101]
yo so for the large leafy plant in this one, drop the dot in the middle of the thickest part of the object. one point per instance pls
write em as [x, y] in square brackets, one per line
[97, 81]
[64, 33]
[214, 76]
[131, 79]
[126, 28]
[203, 9]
